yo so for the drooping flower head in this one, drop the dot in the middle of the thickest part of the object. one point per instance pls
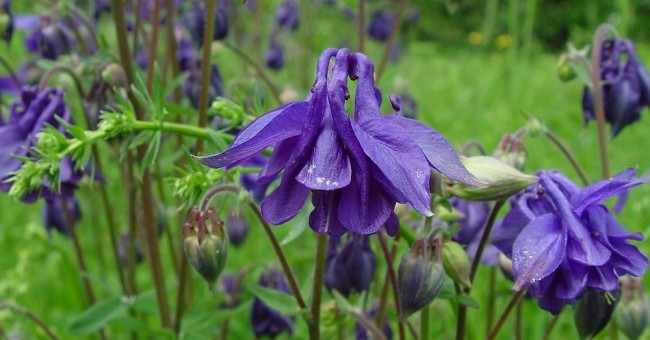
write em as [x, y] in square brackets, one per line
[54, 216]
[349, 268]
[192, 84]
[275, 54]
[568, 241]
[357, 168]
[287, 15]
[51, 39]
[29, 116]
[381, 24]
[194, 21]
[625, 85]
[267, 321]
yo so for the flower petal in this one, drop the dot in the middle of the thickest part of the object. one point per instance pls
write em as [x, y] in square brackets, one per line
[279, 158]
[604, 189]
[398, 157]
[13, 142]
[269, 129]
[285, 202]
[538, 250]
[324, 218]
[438, 151]
[363, 210]
[392, 225]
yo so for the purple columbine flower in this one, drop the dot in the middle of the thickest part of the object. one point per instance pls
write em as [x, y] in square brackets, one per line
[265, 320]
[275, 54]
[192, 84]
[626, 85]
[230, 285]
[122, 250]
[194, 20]
[349, 268]
[568, 241]
[237, 228]
[475, 215]
[6, 21]
[28, 116]
[381, 24]
[249, 182]
[356, 169]
[100, 7]
[51, 39]
[54, 216]
[287, 15]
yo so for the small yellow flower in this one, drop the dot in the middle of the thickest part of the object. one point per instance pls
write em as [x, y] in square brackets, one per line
[503, 40]
[476, 38]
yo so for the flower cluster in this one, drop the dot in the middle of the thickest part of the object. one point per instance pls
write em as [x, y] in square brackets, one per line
[564, 242]
[356, 169]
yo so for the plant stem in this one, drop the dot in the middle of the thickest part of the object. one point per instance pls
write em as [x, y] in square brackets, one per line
[513, 302]
[65, 69]
[424, 323]
[317, 288]
[569, 156]
[362, 25]
[491, 297]
[81, 262]
[397, 22]
[206, 67]
[462, 315]
[153, 42]
[598, 96]
[368, 324]
[180, 298]
[171, 47]
[10, 71]
[518, 320]
[24, 311]
[487, 230]
[275, 91]
[381, 311]
[393, 280]
[549, 328]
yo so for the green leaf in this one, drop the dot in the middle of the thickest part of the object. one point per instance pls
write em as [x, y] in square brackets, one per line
[341, 301]
[298, 226]
[282, 302]
[152, 151]
[142, 138]
[468, 301]
[158, 94]
[174, 83]
[181, 110]
[447, 292]
[97, 316]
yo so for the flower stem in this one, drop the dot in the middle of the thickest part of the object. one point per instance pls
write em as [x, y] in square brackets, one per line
[65, 69]
[549, 328]
[10, 71]
[397, 22]
[275, 91]
[317, 288]
[381, 311]
[393, 280]
[206, 67]
[487, 230]
[368, 324]
[362, 24]
[598, 96]
[490, 302]
[24, 311]
[153, 42]
[424, 323]
[518, 320]
[569, 156]
[172, 58]
[513, 302]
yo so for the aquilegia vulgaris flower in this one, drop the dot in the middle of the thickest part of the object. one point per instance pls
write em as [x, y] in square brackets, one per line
[356, 169]
[568, 241]
[626, 85]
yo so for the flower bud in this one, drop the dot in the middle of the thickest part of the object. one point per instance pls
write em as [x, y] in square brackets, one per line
[206, 249]
[563, 68]
[267, 321]
[51, 39]
[511, 150]
[593, 311]
[286, 15]
[502, 179]
[114, 75]
[456, 263]
[275, 55]
[631, 315]
[420, 277]
[237, 228]
[6, 21]
[227, 109]
[350, 268]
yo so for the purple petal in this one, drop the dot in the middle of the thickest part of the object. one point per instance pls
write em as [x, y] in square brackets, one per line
[627, 259]
[571, 281]
[329, 166]
[438, 151]
[398, 157]
[13, 142]
[583, 247]
[26, 21]
[363, 210]
[269, 129]
[285, 202]
[538, 250]
[324, 218]
[392, 225]
[601, 190]
[278, 160]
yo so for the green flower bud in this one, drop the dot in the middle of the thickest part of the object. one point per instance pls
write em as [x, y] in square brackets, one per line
[114, 75]
[593, 311]
[456, 263]
[564, 68]
[228, 110]
[420, 277]
[632, 313]
[503, 180]
[206, 249]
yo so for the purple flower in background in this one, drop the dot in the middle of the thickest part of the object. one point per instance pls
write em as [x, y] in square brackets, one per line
[28, 116]
[287, 15]
[6, 21]
[192, 84]
[275, 54]
[349, 268]
[265, 320]
[475, 215]
[361, 333]
[381, 24]
[357, 169]
[54, 216]
[249, 182]
[568, 242]
[122, 254]
[230, 285]
[194, 21]
[51, 39]
[404, 105]
[101, 6]
[237, 228]
[626, 85]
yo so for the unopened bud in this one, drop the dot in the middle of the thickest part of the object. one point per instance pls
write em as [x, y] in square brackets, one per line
[206, 248]
[564, 69]
[114, 75]
[227, 109]
[237, 229]
[502, 179]
[420, 277]
[593, 311]
[511, 150]
[456, 263]
[632, 313]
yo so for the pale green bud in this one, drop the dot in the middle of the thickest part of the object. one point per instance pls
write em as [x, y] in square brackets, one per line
[114, 75]
[564, 68]
[631, 315]
[228, 110]
[456, 263]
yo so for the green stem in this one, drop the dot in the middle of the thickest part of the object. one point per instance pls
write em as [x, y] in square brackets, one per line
[393, 280]
[317, 288]
[265, 78]
[381, 311]
[362, 25]
[368, 325]
[491, 298]
[549, 328]
[598, 96]
[153, 42]
[424, 323]
[519, 320]
[24, 311]
[513, 302]
[206, 67]
[569, 156]
[391, 38]
[65, 69]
